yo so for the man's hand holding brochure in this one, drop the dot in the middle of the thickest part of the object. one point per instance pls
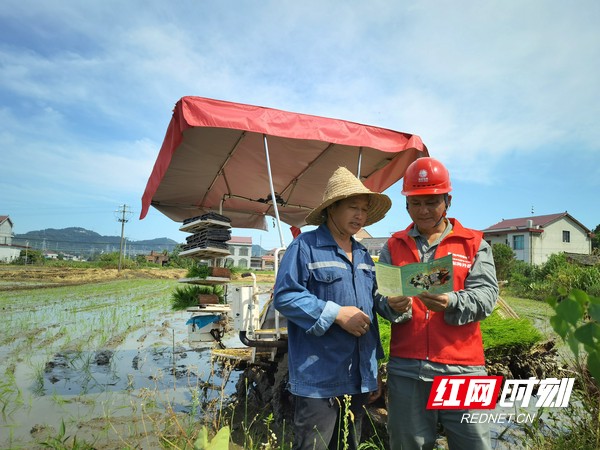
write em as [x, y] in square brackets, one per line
[434, 277]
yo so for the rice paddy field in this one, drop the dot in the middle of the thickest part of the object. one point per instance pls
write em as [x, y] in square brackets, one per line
[98, 359]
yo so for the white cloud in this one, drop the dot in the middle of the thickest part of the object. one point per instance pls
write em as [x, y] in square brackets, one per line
[88, 88]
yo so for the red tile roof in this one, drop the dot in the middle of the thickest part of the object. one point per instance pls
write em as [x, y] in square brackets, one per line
[4, 219]
[240, 240]
[523, 222]
[536, 221]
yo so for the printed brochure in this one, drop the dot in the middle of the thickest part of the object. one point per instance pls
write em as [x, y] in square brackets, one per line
[435, 277]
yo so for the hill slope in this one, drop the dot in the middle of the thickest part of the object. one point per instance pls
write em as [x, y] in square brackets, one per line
[81, 242]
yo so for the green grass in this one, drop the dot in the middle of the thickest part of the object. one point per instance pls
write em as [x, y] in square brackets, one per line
[385, 331]
[538, 313]
[534, 310]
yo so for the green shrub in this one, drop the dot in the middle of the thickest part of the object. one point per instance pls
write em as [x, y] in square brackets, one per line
[554, 263]
[546, 280]
[504, 259]
[31, 256]
[176, 261]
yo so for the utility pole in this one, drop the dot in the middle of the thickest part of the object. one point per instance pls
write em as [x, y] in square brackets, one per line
[122, 214]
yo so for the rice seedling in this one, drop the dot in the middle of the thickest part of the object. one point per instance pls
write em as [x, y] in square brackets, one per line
[59, 400]
[63, 441]
[38, 387]
[85, 318]
[11, 398]
[192, 295]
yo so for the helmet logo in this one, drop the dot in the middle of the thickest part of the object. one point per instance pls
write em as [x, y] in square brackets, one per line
[423, 176]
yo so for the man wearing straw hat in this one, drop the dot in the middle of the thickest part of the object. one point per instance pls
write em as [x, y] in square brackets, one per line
[326, 288]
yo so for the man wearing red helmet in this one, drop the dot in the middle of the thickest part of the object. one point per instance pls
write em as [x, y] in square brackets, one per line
[436, 334]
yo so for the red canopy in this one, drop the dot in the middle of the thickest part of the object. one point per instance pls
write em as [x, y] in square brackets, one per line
[213, 159]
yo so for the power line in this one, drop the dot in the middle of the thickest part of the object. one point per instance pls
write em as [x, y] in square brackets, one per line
[123, 216]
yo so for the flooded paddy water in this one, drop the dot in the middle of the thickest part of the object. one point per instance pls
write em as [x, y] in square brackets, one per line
[106, 362]
[100, 357]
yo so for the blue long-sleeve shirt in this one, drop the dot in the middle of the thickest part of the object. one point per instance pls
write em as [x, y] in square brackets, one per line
[315, 279]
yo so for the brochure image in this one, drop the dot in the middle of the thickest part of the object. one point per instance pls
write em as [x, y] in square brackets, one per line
[435, 276]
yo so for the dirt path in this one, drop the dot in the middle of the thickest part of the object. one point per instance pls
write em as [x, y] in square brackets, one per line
[18, 276]
[76, 275]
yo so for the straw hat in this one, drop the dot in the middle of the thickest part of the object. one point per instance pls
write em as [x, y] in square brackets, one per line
[344, 184]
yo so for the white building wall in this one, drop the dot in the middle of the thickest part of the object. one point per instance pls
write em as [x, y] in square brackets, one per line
[552, 239]
[240, 255]
[5, 233]
[9, 254]
[536, 248]
[497, 240]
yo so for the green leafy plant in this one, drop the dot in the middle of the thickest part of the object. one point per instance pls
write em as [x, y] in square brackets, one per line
[219, 442]
[577, 322]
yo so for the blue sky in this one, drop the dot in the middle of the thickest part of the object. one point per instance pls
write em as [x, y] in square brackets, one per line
[505, 93]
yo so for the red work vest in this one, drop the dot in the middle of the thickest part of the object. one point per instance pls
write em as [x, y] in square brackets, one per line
[427, 335]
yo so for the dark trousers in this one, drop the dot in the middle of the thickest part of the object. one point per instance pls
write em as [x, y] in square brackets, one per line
[325, 424]
[413, 427]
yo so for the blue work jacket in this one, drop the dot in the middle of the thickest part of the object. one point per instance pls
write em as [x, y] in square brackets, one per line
[314, 280]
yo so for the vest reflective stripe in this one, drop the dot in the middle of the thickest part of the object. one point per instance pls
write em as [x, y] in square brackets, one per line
[427, 335]
[364, 266]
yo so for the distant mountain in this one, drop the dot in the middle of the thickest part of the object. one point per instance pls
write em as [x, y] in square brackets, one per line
[257, 250]
[82, 242]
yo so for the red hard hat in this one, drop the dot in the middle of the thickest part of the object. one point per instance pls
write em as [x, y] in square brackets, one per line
[426, 176]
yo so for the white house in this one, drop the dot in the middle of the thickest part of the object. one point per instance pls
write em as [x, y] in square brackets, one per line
[8, 252]
[374, 246]
[6, 230]
[533, 239]
[241, 251]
